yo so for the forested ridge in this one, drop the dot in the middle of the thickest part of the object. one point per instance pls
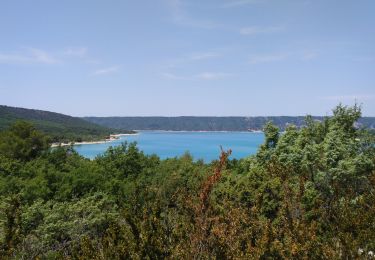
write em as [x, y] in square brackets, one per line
[60, 128]
[196, 123]
[308, 193]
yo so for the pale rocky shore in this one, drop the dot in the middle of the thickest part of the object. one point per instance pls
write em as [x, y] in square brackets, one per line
[111, 138]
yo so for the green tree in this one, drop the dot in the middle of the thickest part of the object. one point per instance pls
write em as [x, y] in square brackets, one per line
[22, 142]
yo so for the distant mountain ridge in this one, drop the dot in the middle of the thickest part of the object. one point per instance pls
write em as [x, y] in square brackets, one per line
[193, 123]
[67, 128]
[59, 126]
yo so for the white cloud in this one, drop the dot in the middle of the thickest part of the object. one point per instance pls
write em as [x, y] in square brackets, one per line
[204, 56]
[254, 30]
[29, 56]
[212, 76]
[237, 3]
[42, 56]
[106, 71]
[255, 59]
[76, 51]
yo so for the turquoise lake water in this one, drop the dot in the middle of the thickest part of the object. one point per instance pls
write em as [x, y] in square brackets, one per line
[201, 145]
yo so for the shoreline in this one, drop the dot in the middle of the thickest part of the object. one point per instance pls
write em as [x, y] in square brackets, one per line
[112, 138]
[200, 131]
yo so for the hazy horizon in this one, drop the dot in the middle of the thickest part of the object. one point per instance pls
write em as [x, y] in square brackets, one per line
[187, 57]
[328, 114]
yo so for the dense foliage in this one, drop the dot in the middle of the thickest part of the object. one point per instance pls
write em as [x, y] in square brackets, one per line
[191, 123]
[307, 194]
[59, 127]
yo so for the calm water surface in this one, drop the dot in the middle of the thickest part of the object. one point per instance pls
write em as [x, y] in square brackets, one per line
[202, 145]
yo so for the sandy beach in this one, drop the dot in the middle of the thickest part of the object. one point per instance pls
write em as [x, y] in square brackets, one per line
[112, 138]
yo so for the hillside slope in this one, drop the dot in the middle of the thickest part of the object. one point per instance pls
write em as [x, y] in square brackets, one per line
[60, 127]
[191, 123]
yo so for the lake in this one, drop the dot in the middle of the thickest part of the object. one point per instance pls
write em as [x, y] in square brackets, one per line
[168, 144]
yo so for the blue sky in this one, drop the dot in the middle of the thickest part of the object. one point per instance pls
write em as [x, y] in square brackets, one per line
[187, 57]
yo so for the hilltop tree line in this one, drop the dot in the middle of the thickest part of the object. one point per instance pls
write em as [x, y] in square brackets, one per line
[307, 194]
[59, 127]
[203, 123]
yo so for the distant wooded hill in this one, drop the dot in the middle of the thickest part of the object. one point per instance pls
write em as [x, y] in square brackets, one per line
[190, 123]
[60, 127]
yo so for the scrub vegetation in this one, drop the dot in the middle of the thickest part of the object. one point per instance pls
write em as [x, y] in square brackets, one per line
[308, 193]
